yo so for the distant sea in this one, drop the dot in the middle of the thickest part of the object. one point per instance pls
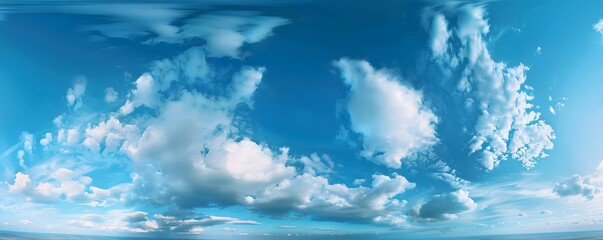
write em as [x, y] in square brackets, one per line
[591, 235]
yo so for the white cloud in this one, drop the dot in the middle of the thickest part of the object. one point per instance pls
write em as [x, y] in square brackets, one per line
[600, 167]
[576, 186]
[445, 173]
[141, 222]
[28, 140]
[20, 156]
[245, 82]
[440, 33]
[316, 197]
[61, 136]
[506, 124]
[226, 34]
[599, 27]
[58, 121]
[73, 136]
[21, 183]
[46, 140]
[110, 95]
[445, 206]
[132, 20]
[108, 135]
[190, 65]
[191, 144]
[63, 184]
[392, 118]
[25, 222]
[359, 181]
[69, 184]
[315, 164]
[75, 93]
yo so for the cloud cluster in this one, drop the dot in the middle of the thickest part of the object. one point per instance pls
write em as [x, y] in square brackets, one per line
[506, 123]
[576, 186]
[182, 139]
[392, 118]
[316, 197]
[193, 144]
[65, 184]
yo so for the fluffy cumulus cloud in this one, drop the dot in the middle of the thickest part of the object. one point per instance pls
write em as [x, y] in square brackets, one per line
[577, 185]
[507, 124]
[391, 117]
[46, 140]
[21, 183]
[187, 141]
[444, 206]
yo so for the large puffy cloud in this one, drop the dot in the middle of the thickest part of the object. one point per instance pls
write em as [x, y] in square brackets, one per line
[187, 149]
[506, 123]
[445, 206]
[577, 185]
[192, 143]
[391, 117]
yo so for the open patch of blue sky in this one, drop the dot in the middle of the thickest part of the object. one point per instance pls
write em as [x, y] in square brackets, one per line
[301, 118]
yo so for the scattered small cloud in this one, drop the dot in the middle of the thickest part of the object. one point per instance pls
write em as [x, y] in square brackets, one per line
[546, 212]
[110, 95]
[25, 222]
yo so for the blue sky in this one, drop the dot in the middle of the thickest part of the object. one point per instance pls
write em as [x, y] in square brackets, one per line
[264, 119]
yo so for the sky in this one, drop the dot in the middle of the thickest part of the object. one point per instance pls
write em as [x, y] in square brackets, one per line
[266, 119]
